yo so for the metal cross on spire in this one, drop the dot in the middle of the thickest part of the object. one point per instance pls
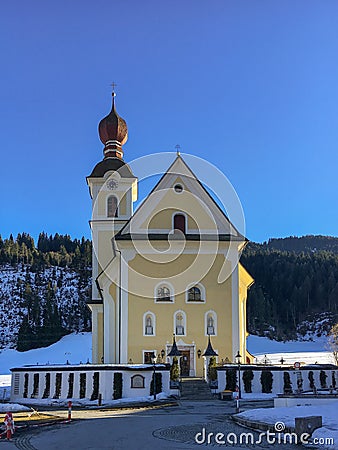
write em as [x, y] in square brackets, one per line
[113, 85]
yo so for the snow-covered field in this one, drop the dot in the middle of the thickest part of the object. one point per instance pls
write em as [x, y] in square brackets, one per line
[307, 352]
[287, 417]
[75, 348]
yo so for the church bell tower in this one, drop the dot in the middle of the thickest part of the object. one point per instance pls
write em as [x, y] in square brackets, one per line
[113, 190]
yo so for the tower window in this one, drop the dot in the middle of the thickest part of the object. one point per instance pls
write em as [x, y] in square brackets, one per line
[178, 188]
[112, 206]
[179, 222]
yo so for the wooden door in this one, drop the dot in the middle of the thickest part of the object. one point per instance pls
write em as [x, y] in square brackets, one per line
[185, 363]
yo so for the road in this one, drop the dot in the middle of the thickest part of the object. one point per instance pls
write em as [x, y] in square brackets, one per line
[172, 427]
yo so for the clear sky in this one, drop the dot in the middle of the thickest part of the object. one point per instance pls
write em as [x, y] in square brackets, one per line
[252, 86]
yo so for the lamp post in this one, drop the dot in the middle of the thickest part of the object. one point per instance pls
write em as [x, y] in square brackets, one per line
[238, 359]
[153, 359]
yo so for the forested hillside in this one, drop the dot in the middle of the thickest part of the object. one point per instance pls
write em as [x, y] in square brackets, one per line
[296, 280]
[43, 289]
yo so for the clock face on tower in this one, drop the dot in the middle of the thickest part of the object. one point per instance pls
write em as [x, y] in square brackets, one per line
[112, 184]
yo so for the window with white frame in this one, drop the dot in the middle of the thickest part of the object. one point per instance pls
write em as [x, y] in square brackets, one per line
[210, 323]
[149, 324]
[180, 323]
[180, 223]
[163, 294]
[195, 294]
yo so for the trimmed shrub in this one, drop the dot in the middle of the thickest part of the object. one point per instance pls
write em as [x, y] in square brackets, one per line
[266, 381]
[231, 379]
[46, 392]
[58, 381]
[96, 384]
[287, 383]
[25, 386]
[158, 384]
[83, 379]
[70, 385]
[248, 376]
[118, 385]
[174, 370]
[311, 379]
[212, 372]
[35, 385]
[322, 378]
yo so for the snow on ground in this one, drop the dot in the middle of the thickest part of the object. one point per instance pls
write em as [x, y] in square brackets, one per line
[75, 348]
[14, 407]
[307, 352]
[287, 415]
[94, 403]
[5, 387]
[262, 345]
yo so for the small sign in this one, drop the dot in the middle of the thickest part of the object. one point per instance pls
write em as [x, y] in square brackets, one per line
[296, 365]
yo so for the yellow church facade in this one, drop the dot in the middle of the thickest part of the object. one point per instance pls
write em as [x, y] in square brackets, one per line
[169, 268]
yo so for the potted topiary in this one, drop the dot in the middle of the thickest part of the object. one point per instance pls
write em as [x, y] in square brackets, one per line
[212, 373]
[174, 374]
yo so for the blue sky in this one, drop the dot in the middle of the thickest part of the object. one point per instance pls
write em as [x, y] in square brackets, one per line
[251, 86]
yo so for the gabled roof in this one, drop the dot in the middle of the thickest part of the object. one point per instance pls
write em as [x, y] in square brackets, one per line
[180, 172]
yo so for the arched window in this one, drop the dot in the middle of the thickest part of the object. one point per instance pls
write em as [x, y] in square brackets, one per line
[210, 323]
[179, 222]
[149, 324]
[163, 294]
[180, 323]
[194, 294]
[112, 206]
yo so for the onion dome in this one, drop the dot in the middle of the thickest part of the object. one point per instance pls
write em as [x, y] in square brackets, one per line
[113, 133]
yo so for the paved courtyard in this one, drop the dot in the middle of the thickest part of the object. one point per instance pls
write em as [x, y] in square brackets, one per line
[172, 427]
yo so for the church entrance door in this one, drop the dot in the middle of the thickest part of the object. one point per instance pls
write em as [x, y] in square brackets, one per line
[185, 363]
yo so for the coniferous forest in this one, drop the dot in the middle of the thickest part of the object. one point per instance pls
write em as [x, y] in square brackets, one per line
[296, 285]
[44, 287]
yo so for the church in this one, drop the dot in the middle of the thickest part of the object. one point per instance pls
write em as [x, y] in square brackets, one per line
[168, 270]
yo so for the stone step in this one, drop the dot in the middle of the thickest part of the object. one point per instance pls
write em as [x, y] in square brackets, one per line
[195, 389]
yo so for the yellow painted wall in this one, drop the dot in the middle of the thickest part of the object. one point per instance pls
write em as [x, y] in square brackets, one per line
[218, 299]
[169, 202]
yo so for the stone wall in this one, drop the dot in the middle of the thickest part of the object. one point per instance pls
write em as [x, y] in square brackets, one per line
[299, 378]
[84, 381]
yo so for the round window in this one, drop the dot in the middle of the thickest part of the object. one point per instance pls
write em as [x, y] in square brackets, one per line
[178, 188]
